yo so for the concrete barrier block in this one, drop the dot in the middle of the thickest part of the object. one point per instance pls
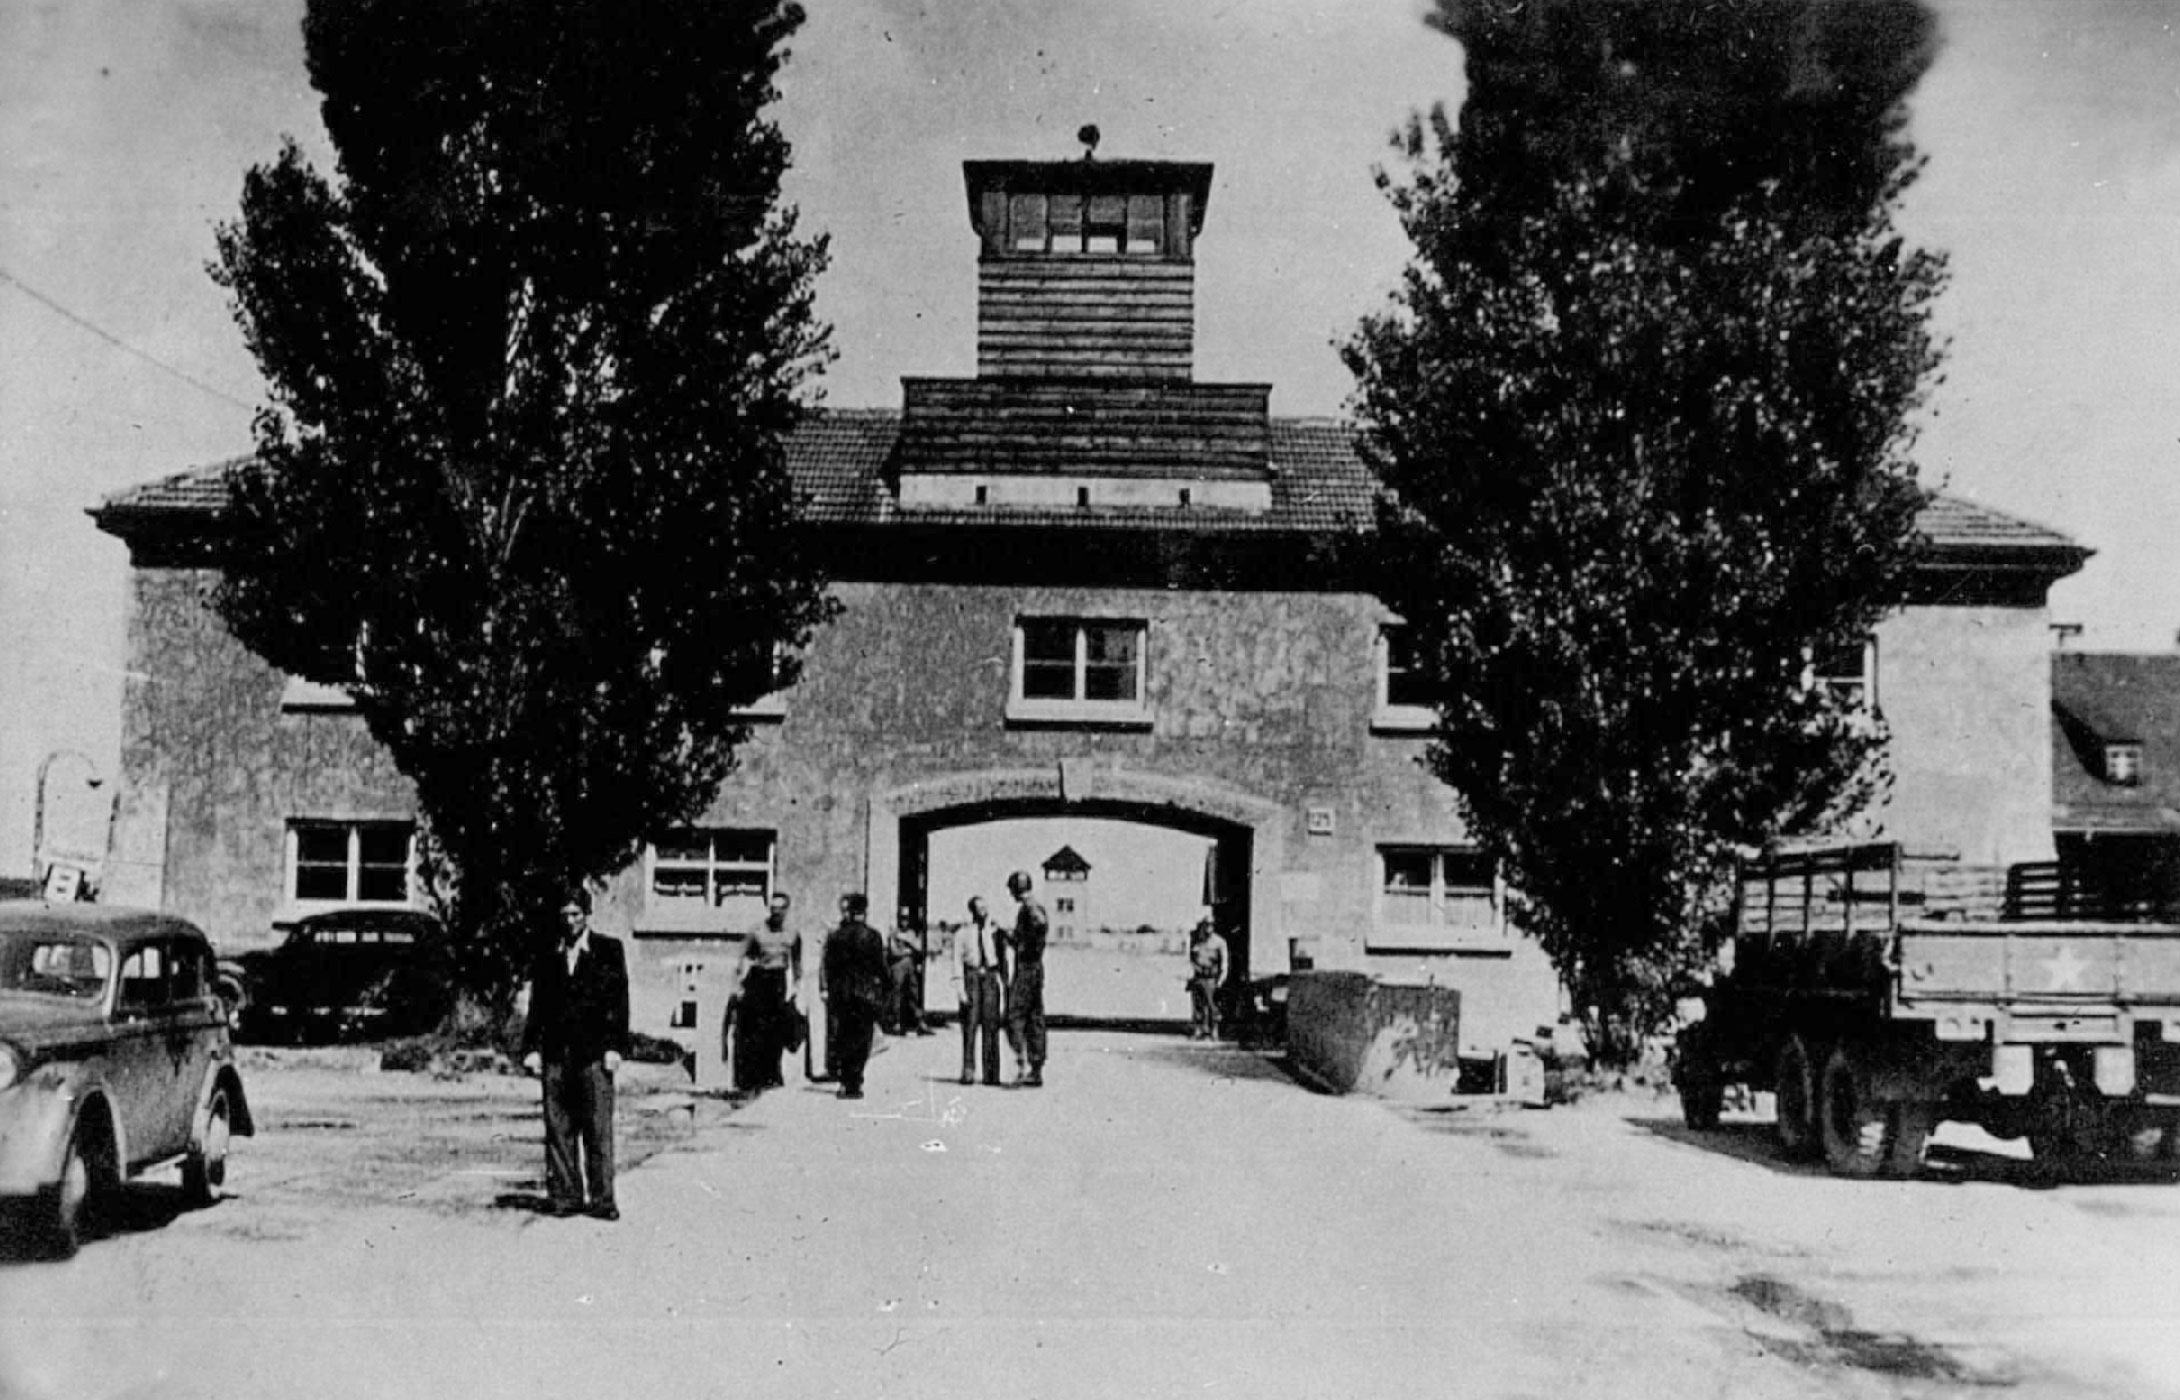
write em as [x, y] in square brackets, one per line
[1350, 1033]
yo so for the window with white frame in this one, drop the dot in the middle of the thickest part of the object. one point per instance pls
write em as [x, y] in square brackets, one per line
[1078, 668]
[342, 862]
[725, 870]
[2123, 764]
[328, 681]
[771, 705]
[1430, 895]
[1848, 671]
[1401, 703]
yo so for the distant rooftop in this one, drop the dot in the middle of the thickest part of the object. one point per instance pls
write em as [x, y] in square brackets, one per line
[2103, 699]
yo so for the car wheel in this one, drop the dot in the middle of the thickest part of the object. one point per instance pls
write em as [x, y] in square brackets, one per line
[204, 1170]
[72, 1203]
[1795, 1090]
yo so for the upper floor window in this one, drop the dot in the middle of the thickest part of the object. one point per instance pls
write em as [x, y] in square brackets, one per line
[1107, 224]
[1401, 702]
[1079, 669]
[328, 681]
[2123, 764]
[726, 870]
[772, 705]
[350, 862]
[1848, 671]
[1435, 895]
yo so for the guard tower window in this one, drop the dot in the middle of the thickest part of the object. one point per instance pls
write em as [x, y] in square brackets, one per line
[1026, 213]
[1106, 228]
[1146, 224]
[1103, 224]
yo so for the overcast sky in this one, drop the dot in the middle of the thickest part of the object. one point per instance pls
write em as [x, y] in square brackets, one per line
[2052, 126]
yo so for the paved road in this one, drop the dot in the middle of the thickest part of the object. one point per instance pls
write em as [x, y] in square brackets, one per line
[1165, 1219]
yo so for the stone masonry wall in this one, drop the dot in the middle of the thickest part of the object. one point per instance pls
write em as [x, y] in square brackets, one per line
[1260, 709]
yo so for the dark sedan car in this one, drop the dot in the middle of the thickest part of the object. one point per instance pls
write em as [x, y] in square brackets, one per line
[114, 1059]
[348, 974]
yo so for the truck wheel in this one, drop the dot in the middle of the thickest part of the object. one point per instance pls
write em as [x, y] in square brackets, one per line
[1911, 1127]
[1696, 1075]
[1794, 1088]
[1857, 1130]
[2140, 1136]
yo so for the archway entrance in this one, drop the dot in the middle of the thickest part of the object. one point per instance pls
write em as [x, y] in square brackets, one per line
[1231, 840]
[1122, 884]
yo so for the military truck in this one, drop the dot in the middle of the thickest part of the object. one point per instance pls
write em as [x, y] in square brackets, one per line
[1876, 993]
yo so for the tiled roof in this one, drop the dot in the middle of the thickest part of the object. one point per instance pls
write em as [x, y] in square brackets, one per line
[840, 459]
[1032, 426]
[1955, 523]
[2100, 698]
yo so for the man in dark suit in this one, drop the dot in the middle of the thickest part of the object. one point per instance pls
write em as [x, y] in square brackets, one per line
[852, 976]
[573, 1039]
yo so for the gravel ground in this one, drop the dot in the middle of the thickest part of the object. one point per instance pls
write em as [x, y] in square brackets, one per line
[1166, 1218]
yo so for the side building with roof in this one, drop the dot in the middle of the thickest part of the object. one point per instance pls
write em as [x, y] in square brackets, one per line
[1080, 583]
[2115, 740]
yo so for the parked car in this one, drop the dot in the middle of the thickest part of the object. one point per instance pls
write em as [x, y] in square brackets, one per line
[114, 1059]
[347, 974]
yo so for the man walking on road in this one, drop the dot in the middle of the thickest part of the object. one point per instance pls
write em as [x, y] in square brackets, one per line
[979, 991]
[573, 1040]
[762, 1005]
[1026, 982]
[854, 973]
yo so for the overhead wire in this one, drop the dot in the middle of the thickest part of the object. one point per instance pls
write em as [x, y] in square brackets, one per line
[84, 323]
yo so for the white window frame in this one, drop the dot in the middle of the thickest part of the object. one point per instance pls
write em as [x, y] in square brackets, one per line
[1076, 710]
[2123, 764]
[772, 705]
[352, 896]
[1385, 715]
[709, 914]
[304, 693]
[1391, 931]
[1860, 690]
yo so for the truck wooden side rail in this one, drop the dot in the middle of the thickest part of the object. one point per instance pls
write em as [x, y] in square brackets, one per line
[1875, 993]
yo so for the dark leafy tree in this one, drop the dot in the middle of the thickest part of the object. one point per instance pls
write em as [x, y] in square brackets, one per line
[1644, 407]
[533, 358]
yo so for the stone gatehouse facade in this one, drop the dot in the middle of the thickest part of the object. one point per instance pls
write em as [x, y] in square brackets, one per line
[1081, 584]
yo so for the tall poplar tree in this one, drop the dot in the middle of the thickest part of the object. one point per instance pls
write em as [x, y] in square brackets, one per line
[1644, 403]
[534, 353]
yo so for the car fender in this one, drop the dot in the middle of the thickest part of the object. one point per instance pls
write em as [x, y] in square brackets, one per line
[36, 1127]
[223, 1075]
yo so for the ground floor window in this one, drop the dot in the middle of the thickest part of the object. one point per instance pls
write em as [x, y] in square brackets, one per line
[338, 862]
[1435, 895]
[712, 875]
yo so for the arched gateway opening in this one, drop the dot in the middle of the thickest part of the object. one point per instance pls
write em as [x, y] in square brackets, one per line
[1235, 837]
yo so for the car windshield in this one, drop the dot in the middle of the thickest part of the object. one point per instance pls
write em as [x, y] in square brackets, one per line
[54, 965]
